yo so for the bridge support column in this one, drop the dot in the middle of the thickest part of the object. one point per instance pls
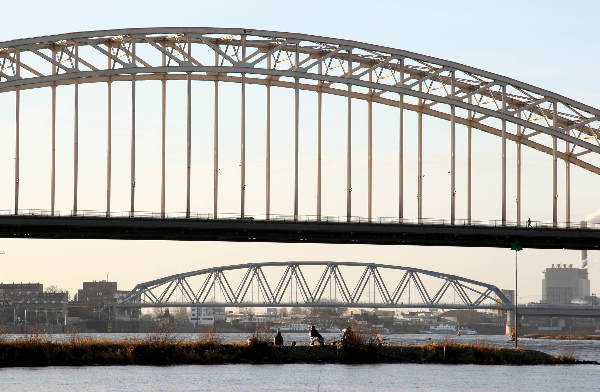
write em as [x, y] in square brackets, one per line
[132, 175]
[243, 135]
[268, 149]
[349, 159]
[17, 136]
[420, 159]
[163, 140]
[401, 147]
[469, 135]
[452, 157]
[554, 168]
[518, 173]
[108, 145]
[188, 145]
[216, 144]
[503, 158]
[349, 147]
[567, 186]
[510, 322]
[53, 141]
[75, 146]
[296, 130]
[319, 112]
[370, 153]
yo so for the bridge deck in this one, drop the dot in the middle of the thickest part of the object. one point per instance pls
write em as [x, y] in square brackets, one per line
[252, 230]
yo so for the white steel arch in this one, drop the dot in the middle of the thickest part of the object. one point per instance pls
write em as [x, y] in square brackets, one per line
[457, 93]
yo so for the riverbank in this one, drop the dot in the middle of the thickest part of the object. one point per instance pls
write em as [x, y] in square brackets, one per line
[563, 337]
[37, 351]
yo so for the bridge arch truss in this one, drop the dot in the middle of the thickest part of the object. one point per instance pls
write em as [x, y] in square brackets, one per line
[460, 94]
[316, 284]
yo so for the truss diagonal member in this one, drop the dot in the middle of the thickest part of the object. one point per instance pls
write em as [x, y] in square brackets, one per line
[247, 282]
[52, 61]
[483, 296]
[479, 90]
[308, 295]
[421, 288]
[24, 66]
[440, 293]
[218, 50]
[151, 295]
[358, 289]
[399, 290]
[165, 290]
[241, 286]
[112, 56]
[265, 285]
[190, 59]
[210, 287]
[322, 58]
[461, 292]
[282, 284]
[342, 284]
[170, 293]
[527, 106]
[225, 287]
[377, 65]
[205, 287]
[161, 49]
[424, 79]
[134, 57]
[187, 290]
[383, 291]
[579, 124]
[269, 53]
[323, 282]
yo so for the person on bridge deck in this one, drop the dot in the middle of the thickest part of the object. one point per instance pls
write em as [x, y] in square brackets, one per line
[278, 340]
[315, 335]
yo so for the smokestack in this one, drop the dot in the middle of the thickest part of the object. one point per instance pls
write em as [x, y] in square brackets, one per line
[584, 252]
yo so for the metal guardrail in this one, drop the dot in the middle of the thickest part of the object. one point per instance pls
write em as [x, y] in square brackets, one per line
[303, 218]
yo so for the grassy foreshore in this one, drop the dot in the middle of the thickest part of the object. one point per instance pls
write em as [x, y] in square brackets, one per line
[77, 352]
[563, 337]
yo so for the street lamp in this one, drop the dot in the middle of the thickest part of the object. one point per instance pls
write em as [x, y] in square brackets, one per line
[516, 246]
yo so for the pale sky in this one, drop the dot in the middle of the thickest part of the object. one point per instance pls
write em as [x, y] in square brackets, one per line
[553, 45]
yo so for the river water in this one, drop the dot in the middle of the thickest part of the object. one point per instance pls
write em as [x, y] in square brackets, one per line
[331, 378]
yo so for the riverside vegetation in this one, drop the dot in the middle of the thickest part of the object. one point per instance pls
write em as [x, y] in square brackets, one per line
[163, 349]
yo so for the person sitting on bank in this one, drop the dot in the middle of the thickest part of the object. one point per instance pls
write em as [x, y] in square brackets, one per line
[315, 335]
[278, 340]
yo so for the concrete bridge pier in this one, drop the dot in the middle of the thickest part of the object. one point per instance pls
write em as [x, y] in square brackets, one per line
[510, 322]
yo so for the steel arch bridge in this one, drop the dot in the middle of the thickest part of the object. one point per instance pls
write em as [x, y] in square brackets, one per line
[462, 95]
[316, 284]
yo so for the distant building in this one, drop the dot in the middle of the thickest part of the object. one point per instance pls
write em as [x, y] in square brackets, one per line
[95, 299]
[207, 316]
[28, 303]
[561, 285]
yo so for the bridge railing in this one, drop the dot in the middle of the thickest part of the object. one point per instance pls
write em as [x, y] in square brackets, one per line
[304, 218]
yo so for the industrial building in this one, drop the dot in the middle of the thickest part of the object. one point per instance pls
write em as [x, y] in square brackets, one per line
[564, 285]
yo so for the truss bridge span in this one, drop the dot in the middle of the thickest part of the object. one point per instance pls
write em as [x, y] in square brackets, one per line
[316, 284]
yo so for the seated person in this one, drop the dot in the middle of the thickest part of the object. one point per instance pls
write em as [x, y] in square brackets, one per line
[278, 340]
[315, 335]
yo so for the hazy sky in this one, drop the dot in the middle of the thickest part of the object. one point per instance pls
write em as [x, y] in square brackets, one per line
[549, 44]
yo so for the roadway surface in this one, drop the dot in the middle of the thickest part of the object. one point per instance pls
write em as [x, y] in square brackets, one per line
[288, 231]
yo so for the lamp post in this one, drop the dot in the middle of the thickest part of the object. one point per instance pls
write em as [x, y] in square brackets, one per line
[516, 246]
